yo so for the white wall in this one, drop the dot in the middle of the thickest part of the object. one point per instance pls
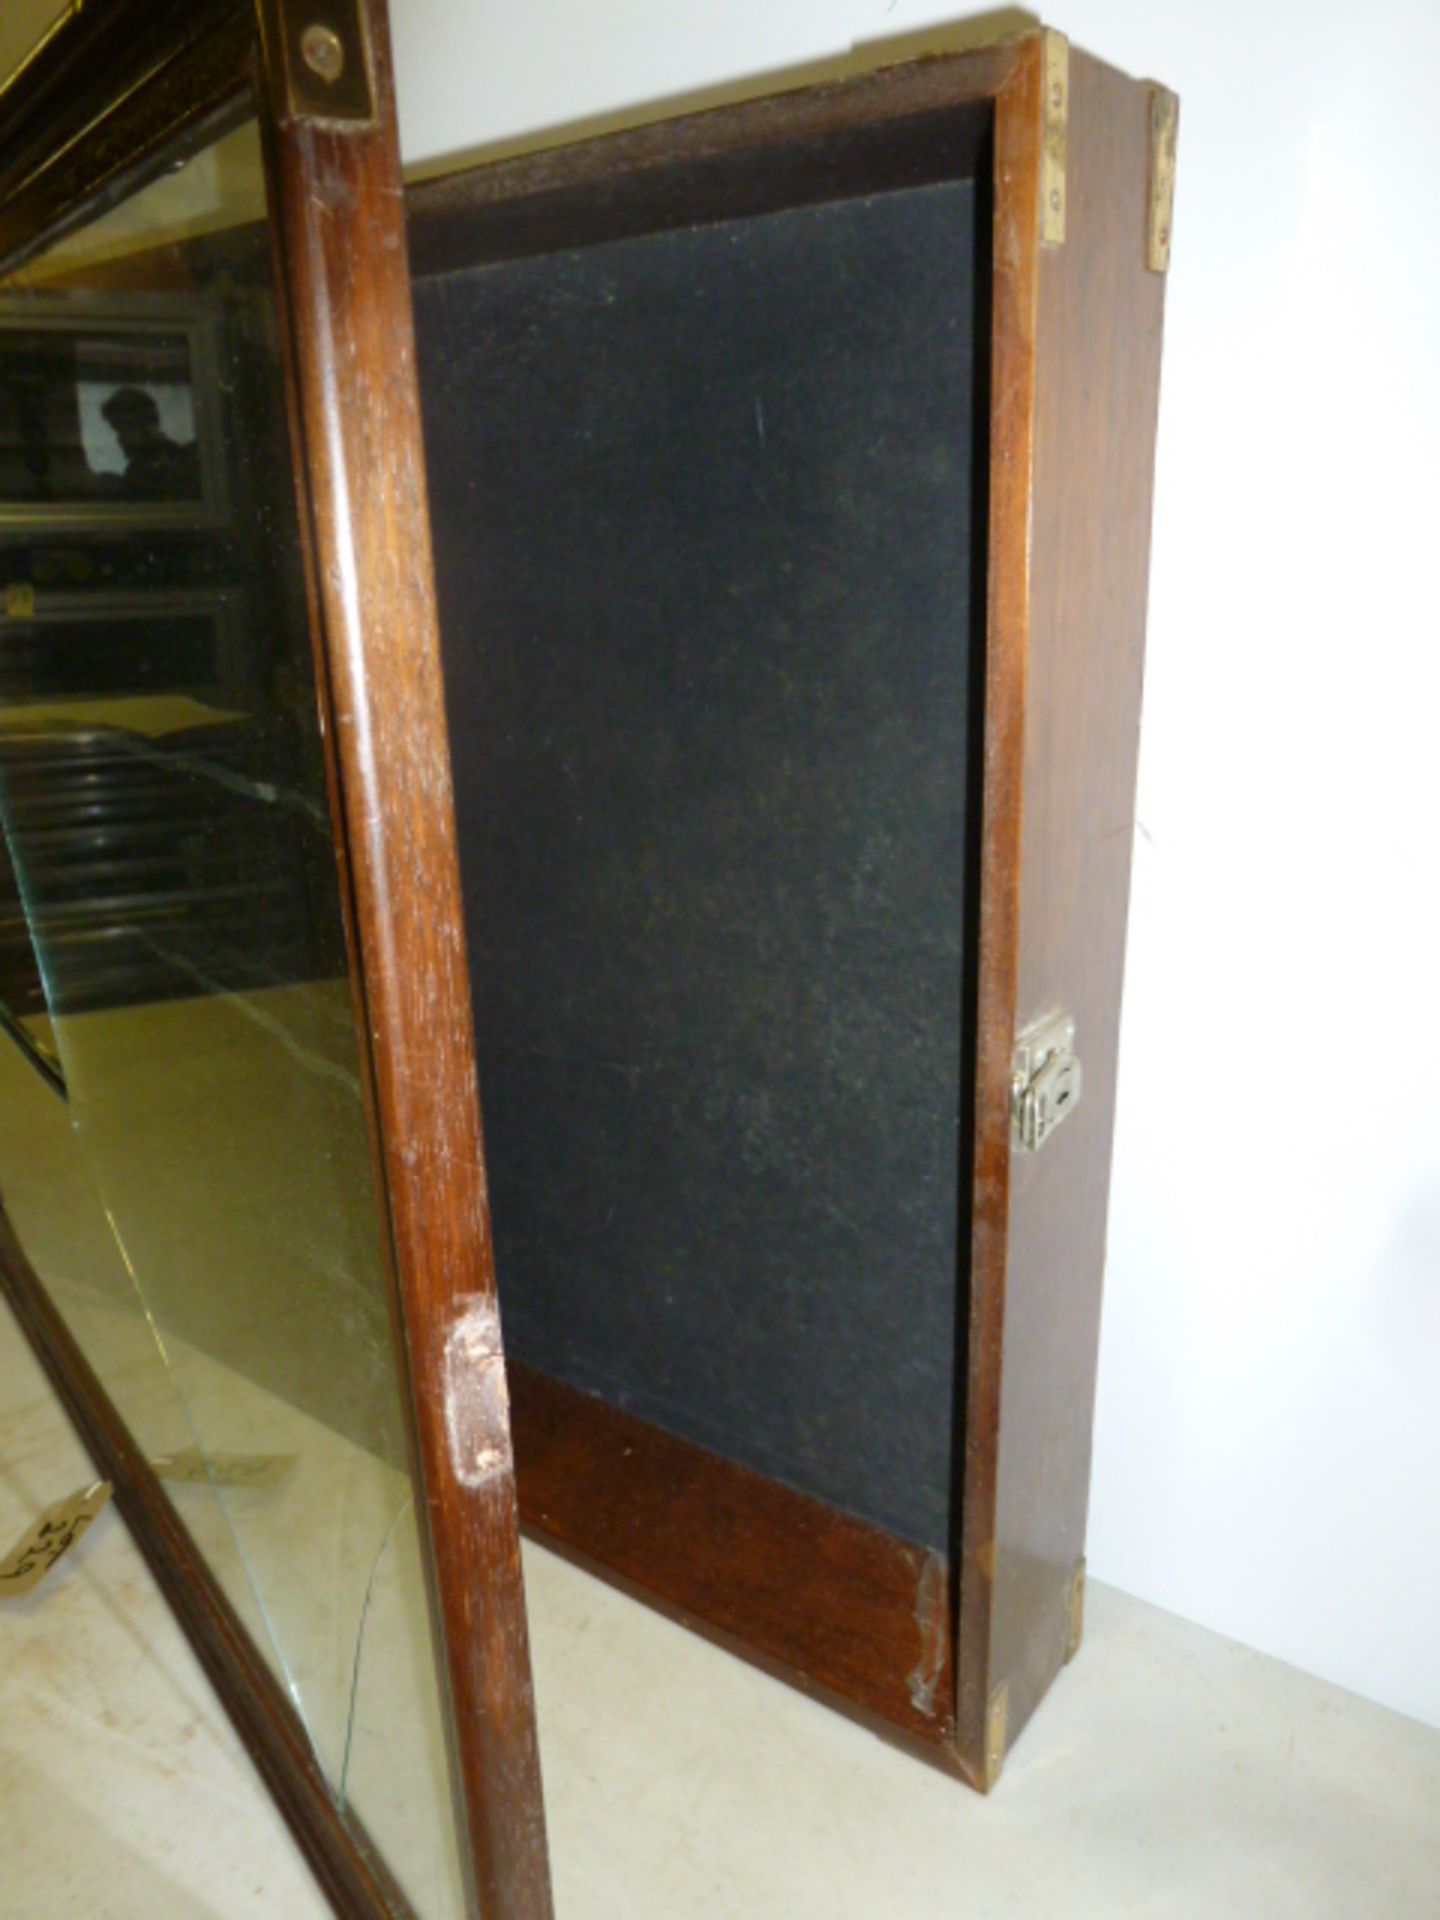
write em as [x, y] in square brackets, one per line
[1268, 1438]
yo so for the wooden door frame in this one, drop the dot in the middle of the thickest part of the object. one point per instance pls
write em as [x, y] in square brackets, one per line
[102, 103]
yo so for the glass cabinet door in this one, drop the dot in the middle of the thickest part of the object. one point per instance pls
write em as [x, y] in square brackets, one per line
[199, 1047]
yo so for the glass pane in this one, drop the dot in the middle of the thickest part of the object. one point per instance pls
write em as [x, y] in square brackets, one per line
[186, 1152]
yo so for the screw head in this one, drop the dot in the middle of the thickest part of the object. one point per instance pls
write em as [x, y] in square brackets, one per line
[323, 51]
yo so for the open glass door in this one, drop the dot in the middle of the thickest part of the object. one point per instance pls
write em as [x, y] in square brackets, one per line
[244, 1208]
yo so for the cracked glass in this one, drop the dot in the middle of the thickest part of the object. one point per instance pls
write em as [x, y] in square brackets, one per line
[183, 1137]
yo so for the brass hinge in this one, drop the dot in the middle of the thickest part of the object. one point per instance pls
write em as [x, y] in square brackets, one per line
[1076, 1631]
[997, 1717]
[324, 60]
[1056, 65]
[1164, 127]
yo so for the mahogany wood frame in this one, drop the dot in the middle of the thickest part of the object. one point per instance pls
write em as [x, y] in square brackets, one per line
[949, 1654]
[87, 119]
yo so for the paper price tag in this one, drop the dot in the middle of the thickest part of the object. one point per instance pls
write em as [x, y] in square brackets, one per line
[19, 600]
[197, 1469]
[47, 1539]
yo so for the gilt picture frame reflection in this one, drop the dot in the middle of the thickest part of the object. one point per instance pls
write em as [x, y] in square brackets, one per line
[109, 415]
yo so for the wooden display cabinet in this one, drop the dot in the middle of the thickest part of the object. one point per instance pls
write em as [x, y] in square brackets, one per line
[789, 469]
[790, 472]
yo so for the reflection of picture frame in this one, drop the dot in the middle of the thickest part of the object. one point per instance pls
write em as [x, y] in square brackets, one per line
[109, 414]
[188, 639]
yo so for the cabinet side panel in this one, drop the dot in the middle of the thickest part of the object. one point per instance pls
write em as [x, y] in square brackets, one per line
[1097, 375]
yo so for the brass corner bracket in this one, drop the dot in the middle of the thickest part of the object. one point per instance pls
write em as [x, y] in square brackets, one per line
[997, 1727]
[1055, 81]
[1075, 1630]
[1164, 128]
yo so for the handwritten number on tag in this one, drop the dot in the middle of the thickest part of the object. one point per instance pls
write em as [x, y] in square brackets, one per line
[48, 1539]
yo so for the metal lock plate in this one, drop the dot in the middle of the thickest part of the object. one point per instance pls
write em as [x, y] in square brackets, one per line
[1045, 1087]
[324, 60]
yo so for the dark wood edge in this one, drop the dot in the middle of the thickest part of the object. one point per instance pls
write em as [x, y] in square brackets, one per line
[830, 1604]
[898, 126]
[183, 82]
[1014, 296]
[349, 1870]
[1097, 367]
[916, 150]
[934, 85]
[349, 338]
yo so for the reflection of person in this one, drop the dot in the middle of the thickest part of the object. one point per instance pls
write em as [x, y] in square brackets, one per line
[156, 467]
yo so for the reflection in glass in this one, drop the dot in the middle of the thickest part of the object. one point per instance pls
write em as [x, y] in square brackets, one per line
[106, 409]
[173, 981]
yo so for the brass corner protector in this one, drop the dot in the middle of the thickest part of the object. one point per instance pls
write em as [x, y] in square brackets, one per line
[1076, 1630]
[1055, 64]
[1164, 129]
[997, 1719]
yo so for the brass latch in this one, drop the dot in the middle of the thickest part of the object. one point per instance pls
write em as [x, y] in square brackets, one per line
[1045, 1084]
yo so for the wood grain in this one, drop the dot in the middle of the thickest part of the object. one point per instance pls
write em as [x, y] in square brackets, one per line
[339, 227]
[903, 126]
[1014, 290]
[832, 1605]
[1097, 366]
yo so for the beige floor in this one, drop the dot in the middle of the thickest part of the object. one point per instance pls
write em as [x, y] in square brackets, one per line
[1172, 1773]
